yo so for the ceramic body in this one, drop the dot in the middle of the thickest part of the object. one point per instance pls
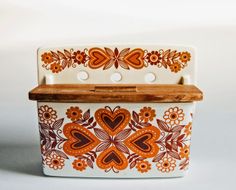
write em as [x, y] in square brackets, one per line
[115, 140]
[125, 152]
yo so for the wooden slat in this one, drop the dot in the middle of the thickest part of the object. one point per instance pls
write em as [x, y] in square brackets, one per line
[115, 93]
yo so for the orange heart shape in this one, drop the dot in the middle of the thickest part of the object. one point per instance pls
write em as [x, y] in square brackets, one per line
[79, 139]
[142, 142]
[111, 157]
[98, 58]
[112, 122]
[135, 58]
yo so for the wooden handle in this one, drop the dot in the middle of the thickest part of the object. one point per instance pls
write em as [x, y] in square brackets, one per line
[115, 88]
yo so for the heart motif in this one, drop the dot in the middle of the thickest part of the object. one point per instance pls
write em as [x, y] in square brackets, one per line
[112, 122]
[98, 58]
[79, 139]
[135, 58]
[143, 143]
[110, 158]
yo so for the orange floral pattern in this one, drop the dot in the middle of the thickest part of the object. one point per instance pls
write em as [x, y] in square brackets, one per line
[147, 114]
[166, 164]
[184, 152]
[105, 58]
[174, 116]
[143, 166]
[47, 115]
[74, 113]
[55, 162]
[79, 164]
[115, 139]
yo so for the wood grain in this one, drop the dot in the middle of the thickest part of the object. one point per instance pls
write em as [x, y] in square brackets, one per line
[115, 93]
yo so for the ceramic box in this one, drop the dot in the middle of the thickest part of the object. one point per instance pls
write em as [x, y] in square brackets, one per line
[116, 111]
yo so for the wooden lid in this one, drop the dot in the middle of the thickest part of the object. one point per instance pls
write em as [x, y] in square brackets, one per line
[115, 93]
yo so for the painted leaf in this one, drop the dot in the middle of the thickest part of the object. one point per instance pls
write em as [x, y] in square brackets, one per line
[100, 133]
[162, 125]
[122, 135]
[57, 124]
[177, 128]
[174, 155]
[158, 157]
[121, 147]
[103, 146]
[86, 115]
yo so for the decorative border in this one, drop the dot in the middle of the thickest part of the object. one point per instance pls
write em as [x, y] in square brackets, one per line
[115, 139]
[96, 58]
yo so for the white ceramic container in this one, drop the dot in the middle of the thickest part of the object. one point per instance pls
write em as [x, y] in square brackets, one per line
[84, 137]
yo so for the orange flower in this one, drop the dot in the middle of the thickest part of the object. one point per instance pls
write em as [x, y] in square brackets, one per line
[79, 57]
[47, 58]
[147, 113]
[188, 129]
[173, 116]
[74, 113]
[175, 67]
[143, 166]
[185, 57]
[79, 164]
[55, 162]
[47, 115]
[166, 164]
[184, 152]
[154, 57]
[56, 67]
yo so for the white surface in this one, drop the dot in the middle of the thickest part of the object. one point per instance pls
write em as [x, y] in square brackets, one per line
[210, 26]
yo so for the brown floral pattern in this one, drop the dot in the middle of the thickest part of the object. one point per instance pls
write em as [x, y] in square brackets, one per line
[115, 139]
[166, 164]
[105, 58]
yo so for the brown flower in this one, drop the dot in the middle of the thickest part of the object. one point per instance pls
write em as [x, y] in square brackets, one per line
[46, 114]
[188, 129]
[166, 164]
[184, 152]
[56, 67]
[79, 164]
[74, 113]
[173, 116]
[154, 57]
[185, 57]
[54, 161]
[143, 166]
[175, 67]
[47, 58]
[147, 113]
[79, 57]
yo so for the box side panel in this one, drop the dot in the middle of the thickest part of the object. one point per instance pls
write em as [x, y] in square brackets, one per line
[115, 140]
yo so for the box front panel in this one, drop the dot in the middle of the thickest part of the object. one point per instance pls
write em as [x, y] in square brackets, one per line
[115, 140]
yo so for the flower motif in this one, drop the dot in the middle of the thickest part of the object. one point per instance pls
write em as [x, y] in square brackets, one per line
[47, 58]
[147, 114]
[175, 67]
[54, 161]
[79, 164]
[188, 129]
[74, 113]
[185, 57]
[47, 115]
[184, 152]
[166, 164]
[56, 67]
[173, 116]
[154, 57]
[79, 57]
[143, 166]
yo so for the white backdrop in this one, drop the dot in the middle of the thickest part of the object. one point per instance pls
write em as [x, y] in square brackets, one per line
[210, 26]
